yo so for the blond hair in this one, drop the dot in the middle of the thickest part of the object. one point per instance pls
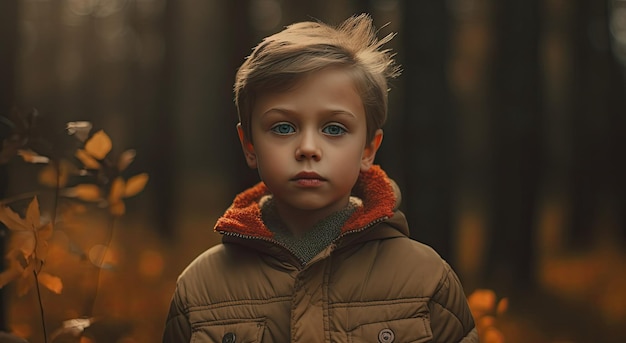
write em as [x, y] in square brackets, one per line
[280, 60]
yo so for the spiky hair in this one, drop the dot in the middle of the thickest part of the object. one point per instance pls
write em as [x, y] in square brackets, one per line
[282, 59]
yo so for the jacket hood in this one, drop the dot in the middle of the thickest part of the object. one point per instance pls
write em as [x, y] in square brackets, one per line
[380, 197]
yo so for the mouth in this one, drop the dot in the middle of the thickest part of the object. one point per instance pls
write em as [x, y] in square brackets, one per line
[308, 179]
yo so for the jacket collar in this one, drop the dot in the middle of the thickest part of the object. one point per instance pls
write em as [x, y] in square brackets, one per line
[379, 195]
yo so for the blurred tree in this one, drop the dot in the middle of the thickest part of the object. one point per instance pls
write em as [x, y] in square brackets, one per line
[161, 143]
[363, 6]
[597, 99]
[238, 46]
[429, 123]
[8, 43]
[331, 12]
[516, 128]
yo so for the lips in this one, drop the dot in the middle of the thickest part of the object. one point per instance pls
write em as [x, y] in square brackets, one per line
[308, 179]
[308, 176]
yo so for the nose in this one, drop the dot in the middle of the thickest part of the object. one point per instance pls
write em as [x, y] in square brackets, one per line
[308, 147]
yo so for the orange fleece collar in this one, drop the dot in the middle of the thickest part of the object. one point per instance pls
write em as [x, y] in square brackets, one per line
[372, 187]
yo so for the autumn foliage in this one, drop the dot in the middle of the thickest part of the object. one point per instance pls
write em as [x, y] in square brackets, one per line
[27, 250]
[89, 180]
[486, 309]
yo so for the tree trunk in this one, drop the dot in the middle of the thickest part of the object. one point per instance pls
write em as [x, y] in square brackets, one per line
[597, 184]
[515, 143]
[429, 130]
[8, 43]
[160, 128]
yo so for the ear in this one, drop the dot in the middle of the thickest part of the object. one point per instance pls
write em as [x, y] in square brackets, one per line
[369, 153]
[248, 148]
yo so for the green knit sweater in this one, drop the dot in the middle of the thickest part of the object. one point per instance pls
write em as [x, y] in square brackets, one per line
[315, 240]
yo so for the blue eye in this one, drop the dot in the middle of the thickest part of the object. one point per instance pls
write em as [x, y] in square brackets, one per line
[283, 129]
[334, 130]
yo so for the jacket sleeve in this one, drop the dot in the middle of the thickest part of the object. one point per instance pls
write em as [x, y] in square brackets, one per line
[177, 327]
[451, 319]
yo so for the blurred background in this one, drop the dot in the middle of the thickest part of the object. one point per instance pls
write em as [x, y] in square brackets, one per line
[506, 134]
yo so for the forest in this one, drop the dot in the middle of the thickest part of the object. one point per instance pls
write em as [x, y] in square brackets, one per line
[506, 135]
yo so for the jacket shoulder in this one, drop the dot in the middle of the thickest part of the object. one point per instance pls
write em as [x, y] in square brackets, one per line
[224, 272]
[214, 269]
[395, 267]
[421, 258]
[208, 259]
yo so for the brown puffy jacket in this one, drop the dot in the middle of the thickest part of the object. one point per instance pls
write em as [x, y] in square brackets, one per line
[372, 284]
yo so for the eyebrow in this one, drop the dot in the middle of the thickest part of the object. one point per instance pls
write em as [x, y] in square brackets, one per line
[333, 112]
[342, 112]
[277, 109]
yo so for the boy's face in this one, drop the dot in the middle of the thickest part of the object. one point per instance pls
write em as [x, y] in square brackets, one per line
[310, 142]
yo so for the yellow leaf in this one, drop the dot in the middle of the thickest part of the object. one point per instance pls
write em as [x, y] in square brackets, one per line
[26, 281]
[87, 192]
[32, 157]
[503, 305]
[56, 175]
[135, 184]
[117, 190]
[493, 335]
[13, 272]
[482, 301]
[32, 214]
[117, 209]
[485, 322]
[43, 234]
[79, 323]
[103, 256]
[41, 250]
[11, 219]
[126, 159]
[23, 241]
[88, 161]
[98, 145]
[31, 237]
[51, 282]
[72, 328]
[48, 177]
[79, 128]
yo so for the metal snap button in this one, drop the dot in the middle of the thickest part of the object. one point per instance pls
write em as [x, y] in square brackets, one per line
[229, 337]
[386, 336]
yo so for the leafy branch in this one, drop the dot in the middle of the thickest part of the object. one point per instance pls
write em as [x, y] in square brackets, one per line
[97, 179]
[486, 309]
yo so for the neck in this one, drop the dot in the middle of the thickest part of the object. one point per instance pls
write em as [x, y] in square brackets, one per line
[300, 221]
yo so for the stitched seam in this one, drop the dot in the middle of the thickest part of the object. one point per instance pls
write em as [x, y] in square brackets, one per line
[447, 310]
[444, 281]
[238, 302]
[230, 321]
[445, 285]
[325, 302]
[292, 319]
[392, 320]
[378, 302]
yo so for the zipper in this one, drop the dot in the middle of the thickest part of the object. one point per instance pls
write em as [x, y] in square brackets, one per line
[370, 224]
[302, 262]
[238, 235]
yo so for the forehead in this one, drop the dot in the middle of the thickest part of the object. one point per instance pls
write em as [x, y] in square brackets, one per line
[325, 88]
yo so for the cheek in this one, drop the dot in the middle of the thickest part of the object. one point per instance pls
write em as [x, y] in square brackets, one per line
[348, 162]
[353, 152]
[270, 162]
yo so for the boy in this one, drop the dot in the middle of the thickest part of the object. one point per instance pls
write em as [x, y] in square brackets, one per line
[318, 251]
